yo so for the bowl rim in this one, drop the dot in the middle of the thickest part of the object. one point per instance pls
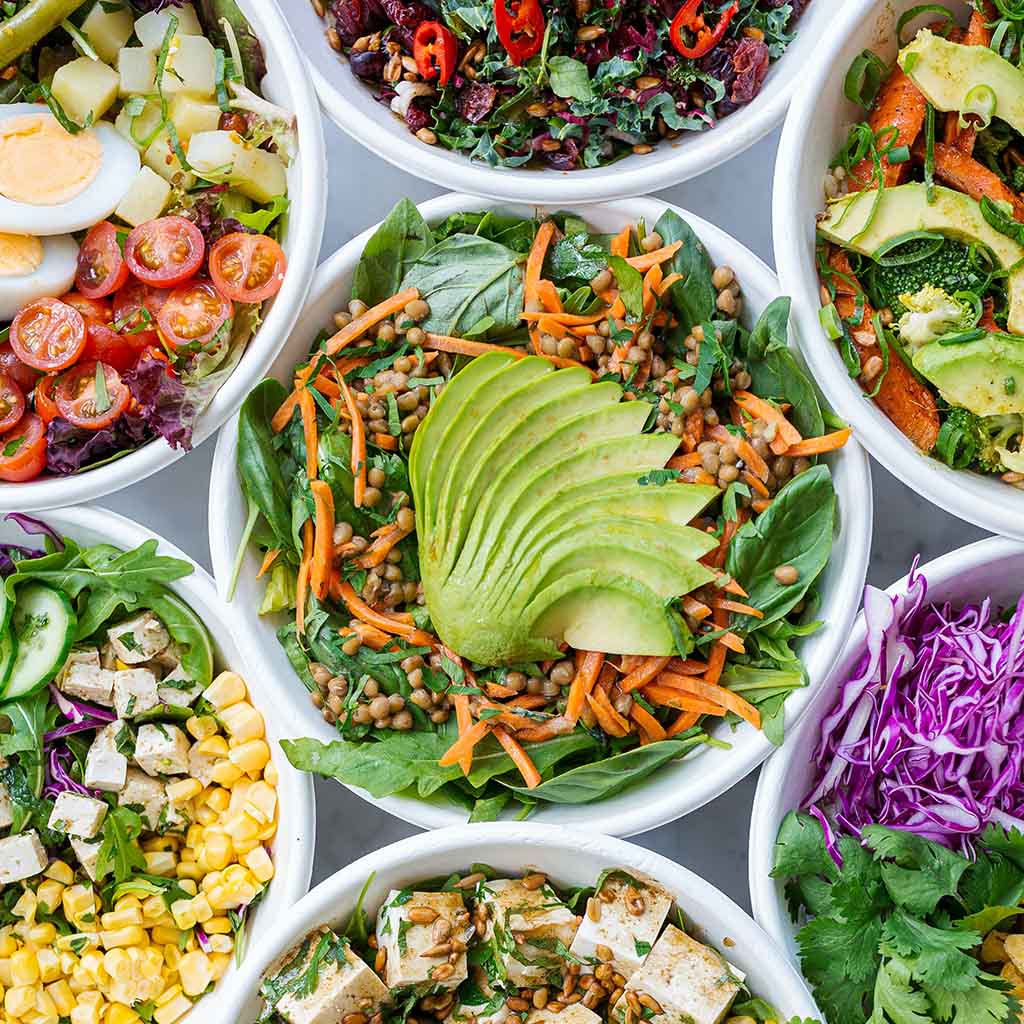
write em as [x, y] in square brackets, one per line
[307, 219]
[676, 801]
[292, 883]
[326, 901]
[766, 814]
[984, 502]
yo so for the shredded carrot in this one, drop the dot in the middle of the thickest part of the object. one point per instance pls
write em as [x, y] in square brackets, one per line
[386, 441]
[693, 430]
[309, 432]
[520, 758]
[327, 387]
[283, 416]
[535, 261]
[620, 243]
[498, 691]
[756, 485]
[716, 656]
[785, 433]
[642, 674]
[687, 666]
[547, 296]
[652, 280]
[465, 743]
[382, 547]
[551, 326]
[731, 586]
[588, 668]
[390, 624]
[760, 505]
[718, 694]
[369, 636]
[630, 662]
[464, 719]
[668, 282]
[647, 722]
[607, 717]
[820, 445]
[744, 450]
[467, 347]
[557, 726]
[302, 583]
[696, 609]
[373, 316]
[686, 720]
[568, 319]
[651, 259]
[732, 641]
[699, 476]
[689, 461]
[358, 463]
[671, 697]
[323, 547]
[741, 609]
[530, 701]
[268, 560]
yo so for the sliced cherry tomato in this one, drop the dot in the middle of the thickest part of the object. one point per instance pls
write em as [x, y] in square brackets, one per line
[91, 309]
[705, 39]
[85, 404]
[436, 51]
[193, 314]
[521, 27]
[164, 252]
[12, 402]
[23, 450]
[24, 376]
[136, 307]
[247, 268]
[42, 397]
[105, 345]
[48, 334]
[101, 267]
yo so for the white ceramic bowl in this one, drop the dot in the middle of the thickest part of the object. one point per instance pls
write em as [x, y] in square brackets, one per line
[676, 789]
[815, 129]
[287, 83]
[293, 845]
[989, 568]
[569, 858]
[351, 105]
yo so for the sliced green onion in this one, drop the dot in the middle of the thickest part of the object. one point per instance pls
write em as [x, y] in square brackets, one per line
[954, 447]
[908, 16]
[865, 77]
[102, 395]
[974, 301]
[981, 102]
[79, 39]
[830, 322]
[898, 155]
[881, 254]
[929, 153]
[963, 337]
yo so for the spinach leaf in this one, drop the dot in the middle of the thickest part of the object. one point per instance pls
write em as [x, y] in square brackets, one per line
[211, 13]
[489, 808]
[335, 452]
[188, 632]
[288, 638]
[775, 372]
[514, 232]
[402, 238]
[693, 297]
[605, 778]
[576, 258]
[795, 530]
[490, 760]
[631, 286]
[569, 78]
[27, 807]
[466, 278]
[28, 723]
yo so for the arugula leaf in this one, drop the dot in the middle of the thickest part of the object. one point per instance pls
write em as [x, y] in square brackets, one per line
[28, 724]
[119, 852]
[402, 238]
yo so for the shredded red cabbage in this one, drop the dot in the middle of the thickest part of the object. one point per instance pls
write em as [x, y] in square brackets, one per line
[928, 731]
[11, 554]
[58, 775]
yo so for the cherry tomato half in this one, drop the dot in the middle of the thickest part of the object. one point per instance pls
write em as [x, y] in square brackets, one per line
[83, 404]
[247, 268]
[103, 344]
[23, 450]
[24, 376]
[193, 314]
[48, 334]
[164, 252]
[12, 402]
[101, 267]
[91, 309]
[42, 398]
[132, 298]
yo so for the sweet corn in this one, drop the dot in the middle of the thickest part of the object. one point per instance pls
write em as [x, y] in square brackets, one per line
[259, 863]
[218, 798]
[49, 894]
[221, 943]
[42, 934]
[26, 905]
[224, 773]
[121, 918]
[8, 944]
[195, 973]
[214, 746]
[172, 1010]
[19, 1001]
[60, 871]
[220, 962]
[62, 996]
[271, 776]
[118, 1013]
[201, 908]
[133, 935]
[262, 802]
[24, 968]
[185, 789]
[166, 935]
[199, 727]
[188, 870]
[251, 756]
[227, 689]
[181, 911]
[218, 852]
[161, 862]
[241, 827]
[243, 722]
[217, 926]
[49, 965]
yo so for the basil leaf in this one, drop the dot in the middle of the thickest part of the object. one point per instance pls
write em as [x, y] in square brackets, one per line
[631, 286]
[402, 238]
[695, 296]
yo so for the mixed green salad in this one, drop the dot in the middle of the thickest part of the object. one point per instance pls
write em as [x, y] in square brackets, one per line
[542, 508]
[563, 85]
[922, 240]
[488, 949]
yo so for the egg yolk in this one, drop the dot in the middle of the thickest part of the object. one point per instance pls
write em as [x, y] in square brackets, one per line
[20, 255]
[41, 164]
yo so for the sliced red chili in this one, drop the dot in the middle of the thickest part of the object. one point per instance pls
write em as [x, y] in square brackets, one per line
[436, 50]
[690, 18]
[520, 25]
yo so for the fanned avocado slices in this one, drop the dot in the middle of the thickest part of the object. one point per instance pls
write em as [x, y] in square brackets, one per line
[533, 525]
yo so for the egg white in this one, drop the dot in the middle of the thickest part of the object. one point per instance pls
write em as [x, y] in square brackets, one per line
[118, 169]
[53, 277]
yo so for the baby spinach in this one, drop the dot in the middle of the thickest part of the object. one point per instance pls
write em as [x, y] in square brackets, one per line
[695, 296]
[491, 761]
[577, 257]
[466, 278]
[569, 78]
[796, 530]
[402, 238]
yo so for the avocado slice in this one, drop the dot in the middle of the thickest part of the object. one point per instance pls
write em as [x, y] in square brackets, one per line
[946, 72]
[985, 376]
[855, 223]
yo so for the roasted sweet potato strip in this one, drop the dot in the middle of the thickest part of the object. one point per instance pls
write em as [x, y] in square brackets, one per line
[962, 172]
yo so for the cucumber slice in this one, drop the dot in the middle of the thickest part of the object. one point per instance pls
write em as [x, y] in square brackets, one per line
[43, 626]
[8, 648]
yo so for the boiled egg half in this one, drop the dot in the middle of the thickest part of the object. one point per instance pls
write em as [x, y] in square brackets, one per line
[31, 268]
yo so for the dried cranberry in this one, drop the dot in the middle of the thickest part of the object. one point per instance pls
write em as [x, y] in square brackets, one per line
[369, 64]
[564, 159]
[416, 116]
[476, 101]
[351, 19]
[751, 64]
[407, 13]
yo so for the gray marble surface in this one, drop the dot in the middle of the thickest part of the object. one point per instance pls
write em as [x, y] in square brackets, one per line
[713, 841]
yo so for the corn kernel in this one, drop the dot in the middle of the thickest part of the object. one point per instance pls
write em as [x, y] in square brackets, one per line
[218, 852]
[153, 909]
[243, 722]
[24, 968]
[26, 905]
[244, 846]
[262, 802]
[172, 1010]
[164, 935]
[214, 746]
[183, 915]
[49, 965]
[42, 934]
[227, 689]
[207, 815]
[190, 886]
[92, 963]
[267, 833]
[158, 844]
[78, 900]
[271, 776]
[60, 871]
[19, 1001]
[161, 862]
[129, 902]
[224, 773]
[210, 880]
[201, 908]
[5, 973]
[221, 943]
[241, 827]
[121, 918]
[217, 798]
[188, 869]
[202, 726]
[88, 1009]
[62, 996]
[221, 899]
[68, 960]
[132, 935]
[259, 863]
[251, 756]
[8, 944]
[220, 962]
[50, 893]
[118, 1013]
[195, 973]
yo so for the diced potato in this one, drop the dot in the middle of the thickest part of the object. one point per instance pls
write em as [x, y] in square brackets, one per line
[138, 128]
[191, 115]
[191, 67]
[228, 157]
[152, 27]
[146, 198]
[137, 67]
[161, 158]
[85, 88]
[108, 30]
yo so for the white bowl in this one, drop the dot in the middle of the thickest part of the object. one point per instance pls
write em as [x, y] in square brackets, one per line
[287, 83]
[676, 789]
[293, 845]
[350, 104]
[815, 129]
[989, 568]
[569, 858]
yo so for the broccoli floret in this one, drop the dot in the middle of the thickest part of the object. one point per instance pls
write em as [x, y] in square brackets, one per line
[967, 439]
[952, 267]
[931, 313]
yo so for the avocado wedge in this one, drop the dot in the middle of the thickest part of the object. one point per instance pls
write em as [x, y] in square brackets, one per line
[985, 376]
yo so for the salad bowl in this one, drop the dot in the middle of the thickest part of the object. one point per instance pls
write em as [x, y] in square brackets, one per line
[677, 788]
[815, 131]
[286, 85]
[350, 103]
[568, 858]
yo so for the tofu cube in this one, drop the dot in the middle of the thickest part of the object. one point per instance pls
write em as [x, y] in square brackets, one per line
[161, 749]
[108, 29]
[105, 766]
[136, 67]
[139, 639]
[344, 984]
[631, 916]
[144, 795]
[407, 942]
[21, 856]
[145, 199]
[191, 67]
[178, 687]
[574, 1013]
[88, 853]
[86, 89]
[152, 26]
[690, 981]
[80, 656]
[77, 815]
[200, 765]
[134, 692]
[533, 914]
[88, 681]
